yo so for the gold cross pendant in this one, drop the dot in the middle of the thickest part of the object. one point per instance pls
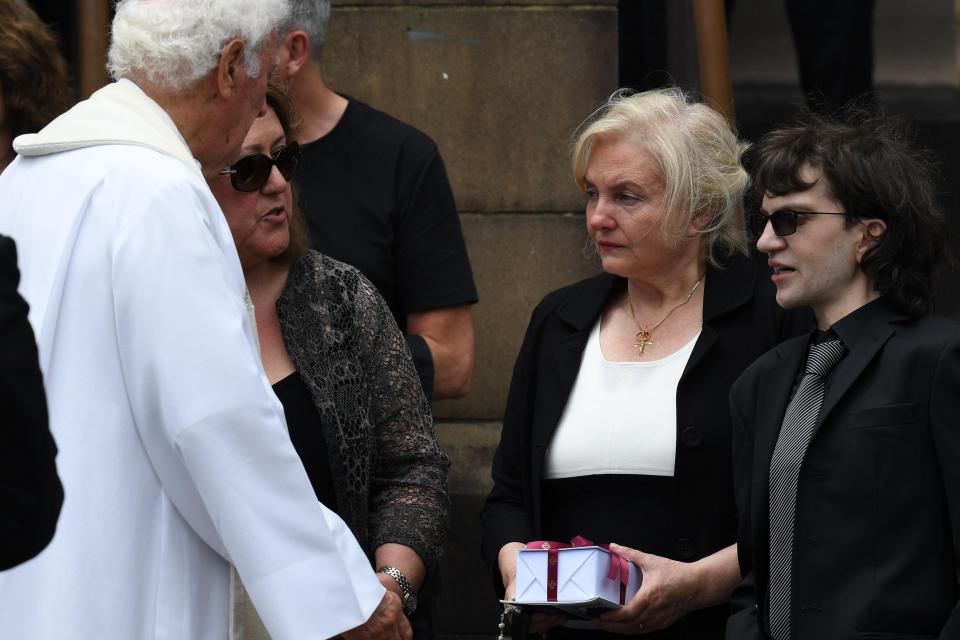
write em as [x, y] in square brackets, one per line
[642, 340]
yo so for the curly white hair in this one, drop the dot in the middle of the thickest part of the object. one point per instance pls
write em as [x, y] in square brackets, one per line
[174, 43]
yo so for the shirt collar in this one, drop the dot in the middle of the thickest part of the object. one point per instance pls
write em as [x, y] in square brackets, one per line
[852, 325]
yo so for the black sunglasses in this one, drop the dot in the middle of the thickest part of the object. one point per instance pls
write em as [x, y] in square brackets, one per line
[250, 173]
[784, 221]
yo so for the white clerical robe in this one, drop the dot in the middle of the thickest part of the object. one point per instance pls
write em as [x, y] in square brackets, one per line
[174, 454]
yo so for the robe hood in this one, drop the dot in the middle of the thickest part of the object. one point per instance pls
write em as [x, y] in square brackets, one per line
[119, 113]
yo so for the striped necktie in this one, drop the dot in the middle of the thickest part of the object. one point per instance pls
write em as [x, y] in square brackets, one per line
[797, 430]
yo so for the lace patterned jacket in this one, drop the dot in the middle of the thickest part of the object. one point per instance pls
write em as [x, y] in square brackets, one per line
[389, 471]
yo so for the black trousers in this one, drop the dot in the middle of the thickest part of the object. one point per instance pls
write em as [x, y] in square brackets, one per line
[834, 45]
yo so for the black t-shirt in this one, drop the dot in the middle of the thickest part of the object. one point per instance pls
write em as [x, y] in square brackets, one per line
[375, 194]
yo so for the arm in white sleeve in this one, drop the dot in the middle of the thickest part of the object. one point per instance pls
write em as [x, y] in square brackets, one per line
[212, 427]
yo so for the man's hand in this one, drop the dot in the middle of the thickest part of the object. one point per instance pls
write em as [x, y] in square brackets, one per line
[386, 623]
[390, 585]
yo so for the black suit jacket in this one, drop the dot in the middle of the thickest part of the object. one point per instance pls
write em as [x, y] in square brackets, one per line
[877, 539]
[740, 321]
[30, 491]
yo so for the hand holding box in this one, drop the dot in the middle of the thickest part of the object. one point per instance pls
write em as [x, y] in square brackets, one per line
[584, 574]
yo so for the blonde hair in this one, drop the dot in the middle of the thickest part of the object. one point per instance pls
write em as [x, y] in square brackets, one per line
[696, 153]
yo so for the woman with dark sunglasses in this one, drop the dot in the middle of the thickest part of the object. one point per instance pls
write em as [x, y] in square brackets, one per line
[337, 361]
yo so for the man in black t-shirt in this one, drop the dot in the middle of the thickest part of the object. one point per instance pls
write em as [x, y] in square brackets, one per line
[375, 194]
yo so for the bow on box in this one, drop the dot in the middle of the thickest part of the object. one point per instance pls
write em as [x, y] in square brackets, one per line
[619, 568]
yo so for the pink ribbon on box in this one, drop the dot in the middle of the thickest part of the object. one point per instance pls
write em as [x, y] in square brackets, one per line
[619, 568]
[551, 549]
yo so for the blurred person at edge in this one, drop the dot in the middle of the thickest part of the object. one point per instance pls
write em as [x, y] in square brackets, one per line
[340, 366]
[173, 448]
[616, 425]
[33, 76]
[30, 490]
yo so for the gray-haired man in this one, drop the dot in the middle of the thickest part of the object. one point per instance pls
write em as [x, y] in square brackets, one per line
[375, 194]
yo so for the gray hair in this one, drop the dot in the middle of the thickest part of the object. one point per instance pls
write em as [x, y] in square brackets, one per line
[697, 154]
[311, 17]
[176, 42]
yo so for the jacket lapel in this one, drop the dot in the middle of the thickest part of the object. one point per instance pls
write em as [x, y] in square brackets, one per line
[724, 290]
[863, 350]
[568, 352]
[578, 315]
[775, 389]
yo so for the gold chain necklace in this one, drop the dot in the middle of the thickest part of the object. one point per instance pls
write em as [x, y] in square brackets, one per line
[644, 337]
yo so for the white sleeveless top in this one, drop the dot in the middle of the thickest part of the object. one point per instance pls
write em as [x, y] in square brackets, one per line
[621, 417]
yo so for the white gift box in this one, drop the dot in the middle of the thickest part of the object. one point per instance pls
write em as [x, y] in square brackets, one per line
[581, 578]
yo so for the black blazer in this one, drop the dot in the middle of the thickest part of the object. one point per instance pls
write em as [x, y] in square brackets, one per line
[30, 491]
[877, 543]
[740, 321]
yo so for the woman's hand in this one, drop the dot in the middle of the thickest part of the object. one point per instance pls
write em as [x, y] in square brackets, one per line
[507, 561]
[671, 589]
[540, 620]
[667, 593]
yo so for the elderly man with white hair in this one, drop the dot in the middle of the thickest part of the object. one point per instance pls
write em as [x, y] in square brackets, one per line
[173, 450]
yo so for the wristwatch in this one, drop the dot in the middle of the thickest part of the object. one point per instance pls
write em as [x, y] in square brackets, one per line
[409, 593]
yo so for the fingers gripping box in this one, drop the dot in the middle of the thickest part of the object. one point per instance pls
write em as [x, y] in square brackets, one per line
[578, 575]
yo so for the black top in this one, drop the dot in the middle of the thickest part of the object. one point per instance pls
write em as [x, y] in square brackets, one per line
[375, 195]
[741, 320]
[582, 506]
[852, 325]
[303, 423]
[30, 491]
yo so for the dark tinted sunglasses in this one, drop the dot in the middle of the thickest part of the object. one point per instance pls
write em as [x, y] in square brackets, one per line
[251, 172]
[784, 221]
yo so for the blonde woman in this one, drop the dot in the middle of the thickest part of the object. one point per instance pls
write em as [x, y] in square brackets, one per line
[616, 425]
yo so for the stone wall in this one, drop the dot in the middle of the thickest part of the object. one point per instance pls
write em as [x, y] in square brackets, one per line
[500, 86]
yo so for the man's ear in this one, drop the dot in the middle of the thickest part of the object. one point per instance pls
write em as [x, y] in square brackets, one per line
[873, 230]
[229, 66]
[292, 54]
